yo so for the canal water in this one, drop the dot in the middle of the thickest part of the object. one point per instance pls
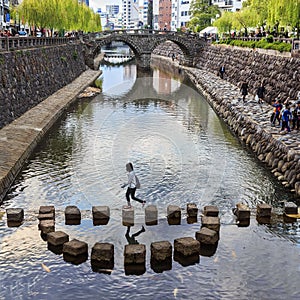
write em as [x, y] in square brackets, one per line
[182, 153]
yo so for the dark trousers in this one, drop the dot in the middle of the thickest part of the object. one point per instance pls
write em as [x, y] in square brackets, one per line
[296, 122]
[285, 125]
[131, 192]
[276, 117]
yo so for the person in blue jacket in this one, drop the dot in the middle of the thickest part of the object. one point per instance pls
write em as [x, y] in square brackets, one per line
[286, 117]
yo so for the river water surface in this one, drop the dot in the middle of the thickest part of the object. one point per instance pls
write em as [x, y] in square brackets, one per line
[182, 153]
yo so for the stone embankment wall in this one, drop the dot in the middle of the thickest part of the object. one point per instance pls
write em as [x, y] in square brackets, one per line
[251, 122]
[280, 74]
[27, 77]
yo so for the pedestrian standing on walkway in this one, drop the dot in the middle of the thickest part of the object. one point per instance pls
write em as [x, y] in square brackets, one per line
[277, 110]
[244, 90]
[296, 116]
[261, 93]
[222, 71]
[286, 117]
[132, 185]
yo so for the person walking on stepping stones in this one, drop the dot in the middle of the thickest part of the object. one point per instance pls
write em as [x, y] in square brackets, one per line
[132, 184]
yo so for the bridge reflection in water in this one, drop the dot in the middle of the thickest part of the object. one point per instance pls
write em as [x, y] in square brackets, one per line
[182, 153]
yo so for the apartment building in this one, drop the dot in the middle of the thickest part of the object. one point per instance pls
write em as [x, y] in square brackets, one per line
[4, 14]
[130, 14]
[164, 14]
[180, 14]
[228, 5]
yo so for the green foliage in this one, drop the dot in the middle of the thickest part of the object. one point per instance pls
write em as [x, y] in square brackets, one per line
[202, 14]
[263, 44]
[224, 24]
[59, 14]
[270, 39]
[75, 54]
[63, 58]
[270, 14]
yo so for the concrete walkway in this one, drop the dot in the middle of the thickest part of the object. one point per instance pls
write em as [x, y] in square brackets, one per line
[19, 138]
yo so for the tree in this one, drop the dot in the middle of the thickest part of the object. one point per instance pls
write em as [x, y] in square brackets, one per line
[284, 13]
[225, 22]
[244, 19]
[202, 12]
[59, 14]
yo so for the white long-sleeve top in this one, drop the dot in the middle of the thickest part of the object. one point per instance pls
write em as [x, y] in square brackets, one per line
[131, 180]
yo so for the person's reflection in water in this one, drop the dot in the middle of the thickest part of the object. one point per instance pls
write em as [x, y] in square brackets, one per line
[131, 239]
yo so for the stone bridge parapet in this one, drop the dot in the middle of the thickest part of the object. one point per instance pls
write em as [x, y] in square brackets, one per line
[143, 43]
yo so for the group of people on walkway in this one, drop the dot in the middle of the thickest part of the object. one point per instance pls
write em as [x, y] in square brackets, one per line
[288, 116]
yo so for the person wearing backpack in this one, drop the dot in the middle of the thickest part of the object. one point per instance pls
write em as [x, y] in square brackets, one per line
[132, 184]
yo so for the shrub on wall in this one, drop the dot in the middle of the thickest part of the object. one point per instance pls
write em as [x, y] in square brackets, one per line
[263, 43]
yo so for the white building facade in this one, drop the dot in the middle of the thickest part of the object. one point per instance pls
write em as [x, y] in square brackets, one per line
[130, 14]
[4, 14]
[228, 5]
[180, 14]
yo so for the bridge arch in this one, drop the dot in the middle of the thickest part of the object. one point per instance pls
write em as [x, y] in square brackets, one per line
[143, 43]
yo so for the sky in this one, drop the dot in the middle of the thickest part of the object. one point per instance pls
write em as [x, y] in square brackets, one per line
[95, 4]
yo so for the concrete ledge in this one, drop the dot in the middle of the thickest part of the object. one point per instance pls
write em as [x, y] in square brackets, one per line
[19, 138]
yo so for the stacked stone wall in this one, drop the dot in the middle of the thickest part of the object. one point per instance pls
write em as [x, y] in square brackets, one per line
[27, 77]
[281, 154]
[280, 74]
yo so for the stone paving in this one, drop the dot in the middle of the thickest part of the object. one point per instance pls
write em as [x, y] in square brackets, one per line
[258, 113]
[251, 122]
[19, 138]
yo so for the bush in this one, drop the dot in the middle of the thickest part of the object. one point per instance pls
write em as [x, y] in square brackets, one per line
[263, 44]
[270, 39]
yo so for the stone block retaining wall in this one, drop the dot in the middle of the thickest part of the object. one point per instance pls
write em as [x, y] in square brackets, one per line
[251, 121]
[27, 77]
[281, 74]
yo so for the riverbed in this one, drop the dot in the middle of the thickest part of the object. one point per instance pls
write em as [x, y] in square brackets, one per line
[182, 153]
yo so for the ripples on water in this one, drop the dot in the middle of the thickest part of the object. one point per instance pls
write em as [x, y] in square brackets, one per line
[182, 153]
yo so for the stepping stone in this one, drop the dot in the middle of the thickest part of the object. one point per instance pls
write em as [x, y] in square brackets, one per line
[242, 211]
[102, 255]
[57, 238]
[211, 211]
[161, 251]
[263, 210]
[134, 254]
[187, 246]
[47, 209]
[151, 215]
[48, 216]
[47, 226]
[75, 248]
[72, 212]
[174, 211]
[15, 214]
[100, 212]
[207, 236]
[212, 223]
[290, 208]
[192, 210]
[128, 216]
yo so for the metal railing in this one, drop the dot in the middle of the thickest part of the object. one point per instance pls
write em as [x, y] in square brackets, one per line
[18, 43]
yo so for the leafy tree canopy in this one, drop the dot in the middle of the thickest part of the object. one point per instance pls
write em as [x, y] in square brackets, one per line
[202, 12]
[58, 14]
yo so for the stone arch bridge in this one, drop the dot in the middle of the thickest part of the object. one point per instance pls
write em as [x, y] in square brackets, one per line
[143, 42]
